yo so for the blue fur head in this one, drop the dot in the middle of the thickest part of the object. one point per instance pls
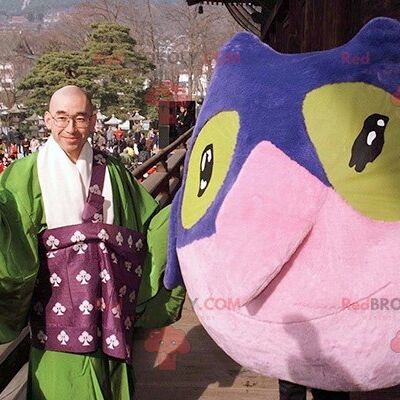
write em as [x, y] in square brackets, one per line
[267, 89]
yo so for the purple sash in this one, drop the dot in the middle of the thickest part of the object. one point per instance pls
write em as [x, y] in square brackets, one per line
[88, 281]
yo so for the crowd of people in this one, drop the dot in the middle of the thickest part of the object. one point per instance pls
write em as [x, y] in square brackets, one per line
[132, 148]
[15, 145]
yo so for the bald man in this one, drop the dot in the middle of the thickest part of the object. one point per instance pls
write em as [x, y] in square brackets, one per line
[70, 119]
[78, 235]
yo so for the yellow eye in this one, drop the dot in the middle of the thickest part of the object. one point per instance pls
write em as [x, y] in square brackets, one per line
[208, 165]
[355, 128]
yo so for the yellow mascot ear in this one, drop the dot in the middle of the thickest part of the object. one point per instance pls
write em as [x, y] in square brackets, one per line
[208, 165]
[355, 128]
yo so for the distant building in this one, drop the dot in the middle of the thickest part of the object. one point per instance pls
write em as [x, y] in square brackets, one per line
[6, 76]
[18, 20]
[200, 83]
[52, 18]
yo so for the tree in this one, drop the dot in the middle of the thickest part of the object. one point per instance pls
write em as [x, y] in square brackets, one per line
[192, 41]
[13, 67]
[52, 71]
[108, 68]
[109, 10]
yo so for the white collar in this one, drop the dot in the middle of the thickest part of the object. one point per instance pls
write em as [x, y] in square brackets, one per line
[65, 185]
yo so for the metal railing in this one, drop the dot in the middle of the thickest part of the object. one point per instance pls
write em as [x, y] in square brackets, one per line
[162, 184]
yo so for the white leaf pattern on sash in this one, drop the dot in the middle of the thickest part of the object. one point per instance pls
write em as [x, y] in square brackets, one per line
[59, 309]
[132, 297]
[105, 276]
[85, 338]
[101, 304]
[139, 245]
[122, 291]
[78, 237]
[55, 280]
[100, 159]
[51, 254]
[80, 246]
[83, 277]
[103, 235]
[42, 337]
[139, 271]
[119, 238]
[95, 189]
[128, 266]
[128, 323]
[114, 258]
[130, 241]
[38, 308]
[52, 242]
[116, 311]
[112, 342]
[86, 307]
[103, 247]
[63, 338]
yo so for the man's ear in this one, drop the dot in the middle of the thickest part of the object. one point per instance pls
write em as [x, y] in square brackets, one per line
[48, 120]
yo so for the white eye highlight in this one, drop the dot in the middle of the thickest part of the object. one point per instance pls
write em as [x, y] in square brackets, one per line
[371, 137]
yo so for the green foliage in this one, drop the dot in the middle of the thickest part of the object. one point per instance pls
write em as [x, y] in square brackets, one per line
[151, 113]
[108, 68]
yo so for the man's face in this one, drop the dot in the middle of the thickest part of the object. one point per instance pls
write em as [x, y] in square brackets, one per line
[73, 136]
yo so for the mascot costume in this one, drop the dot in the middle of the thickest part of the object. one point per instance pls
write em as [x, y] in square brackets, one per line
[290, 211]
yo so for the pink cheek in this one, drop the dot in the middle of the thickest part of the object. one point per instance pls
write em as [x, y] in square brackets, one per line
[261, 250]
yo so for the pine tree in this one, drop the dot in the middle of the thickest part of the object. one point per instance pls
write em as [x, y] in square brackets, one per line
[108, 68]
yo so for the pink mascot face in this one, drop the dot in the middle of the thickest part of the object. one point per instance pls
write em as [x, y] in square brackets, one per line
[287, 229]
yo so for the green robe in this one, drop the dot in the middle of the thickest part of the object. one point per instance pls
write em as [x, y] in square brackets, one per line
[56, 375]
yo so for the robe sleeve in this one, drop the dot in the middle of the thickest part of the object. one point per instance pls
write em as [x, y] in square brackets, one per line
[135, 208]
[157, 306]
[21, 219]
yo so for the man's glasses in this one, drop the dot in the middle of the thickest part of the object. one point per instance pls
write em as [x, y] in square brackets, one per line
[80, 121]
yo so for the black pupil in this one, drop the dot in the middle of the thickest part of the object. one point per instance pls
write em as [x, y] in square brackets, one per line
[369, 142]
[206, 168]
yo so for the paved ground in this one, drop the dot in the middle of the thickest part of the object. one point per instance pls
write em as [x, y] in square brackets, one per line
[202, 370]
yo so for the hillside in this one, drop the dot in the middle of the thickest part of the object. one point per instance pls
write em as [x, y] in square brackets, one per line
[25, 7]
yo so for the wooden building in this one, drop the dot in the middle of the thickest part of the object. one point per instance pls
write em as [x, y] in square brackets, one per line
[294, 26]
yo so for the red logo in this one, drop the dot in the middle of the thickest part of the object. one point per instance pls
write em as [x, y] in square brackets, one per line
[167, 343]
